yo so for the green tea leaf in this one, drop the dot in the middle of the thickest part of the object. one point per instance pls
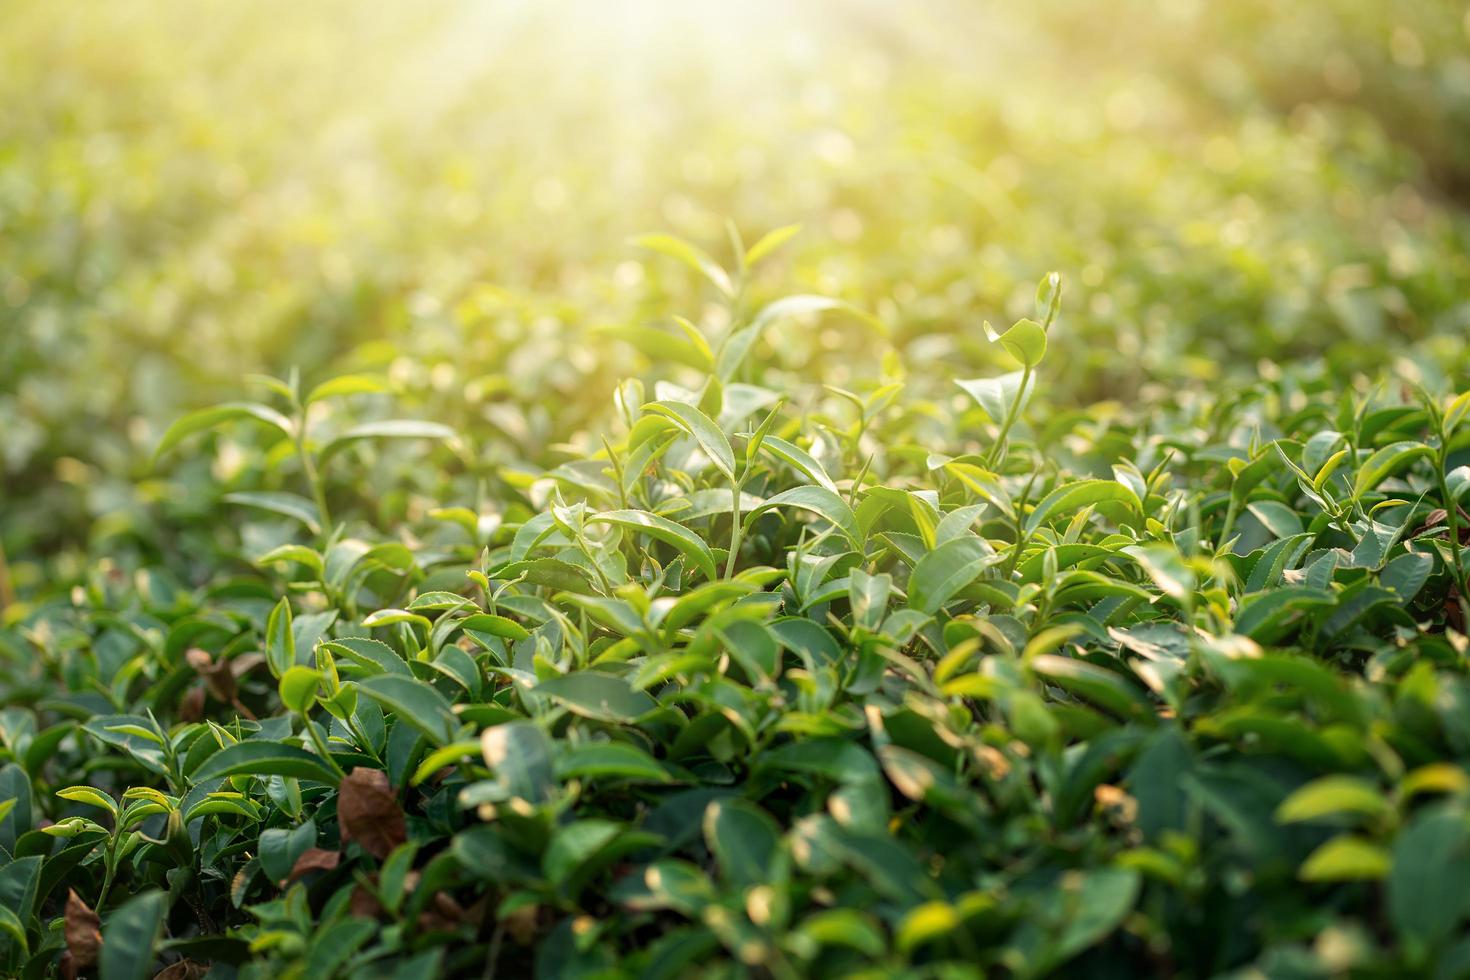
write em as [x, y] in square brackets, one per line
[943, 572]
[685, 541]
[262, 758]
[209, 418]
[280, 641]
[1025, 341]
[818, 500]
[704, 431]
[599, 696]
[1071, 497]
[415, 703]
[130, 935]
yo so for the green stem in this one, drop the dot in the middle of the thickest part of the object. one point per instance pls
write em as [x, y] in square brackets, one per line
[357, 733]
[318, 491]
[1452, 521]
[736, 529]
[7, 590]
[107, 877]
[1231, 514]
[1013, 412]
[587, 550]
[1021, 536]
[321, 747]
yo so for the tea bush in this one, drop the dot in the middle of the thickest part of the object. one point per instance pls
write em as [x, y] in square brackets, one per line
[603, 603]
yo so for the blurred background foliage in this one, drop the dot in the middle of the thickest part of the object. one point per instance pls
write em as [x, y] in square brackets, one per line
[444, 191]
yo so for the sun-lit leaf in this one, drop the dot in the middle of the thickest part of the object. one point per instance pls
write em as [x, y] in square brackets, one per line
[946, 570]
[817, 500]
[209, 418]
[687, 542]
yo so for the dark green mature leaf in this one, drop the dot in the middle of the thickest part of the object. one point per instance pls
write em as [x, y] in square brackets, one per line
[617, 760]
[520, 755]
[1431, 860]
[261, 758]
[15, 787]
[282, 847]
[374, 656]
[1095, 902]
[743, 838]
[946, 570]
[19, 887]
[415, 703]
[818, 500]
[492, 625]
[129, 936]
[1097, 684]
[599, 696]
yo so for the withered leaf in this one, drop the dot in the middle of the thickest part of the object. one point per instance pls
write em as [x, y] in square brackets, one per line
[191, 706]
[524, 925]
[444, 914]
[182, 970]
[245, 663]
[364, 903]
[368, 812]
[314, 859]
[218, 677]
[83, 931]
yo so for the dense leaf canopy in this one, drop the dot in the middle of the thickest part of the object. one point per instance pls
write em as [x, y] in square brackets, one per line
[413, 565]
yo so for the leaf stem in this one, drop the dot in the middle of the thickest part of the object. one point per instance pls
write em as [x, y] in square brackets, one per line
[1451, 518]
[1013, 412]
[7, 590]
[308, 465]
[321, 747]
[1231, 513]
[736, 529]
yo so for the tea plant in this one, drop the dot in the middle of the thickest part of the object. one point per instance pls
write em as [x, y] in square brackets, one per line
[782, 679]
[405, 573]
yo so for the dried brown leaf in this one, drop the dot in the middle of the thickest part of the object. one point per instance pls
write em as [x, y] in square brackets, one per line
[83, 931]
[364, 903]
[314, 859]
[444, 914]
[368, 812]
[191, 705]
[524, 924]
[218, 677]
[245, 663]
